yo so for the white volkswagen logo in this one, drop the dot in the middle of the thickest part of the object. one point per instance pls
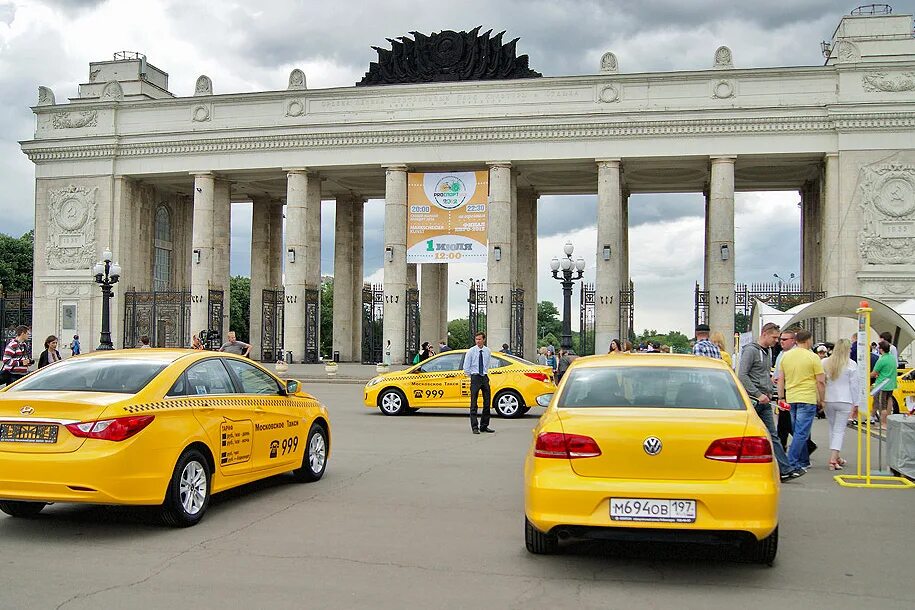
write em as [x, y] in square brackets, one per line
[652, 445]
[27, 410]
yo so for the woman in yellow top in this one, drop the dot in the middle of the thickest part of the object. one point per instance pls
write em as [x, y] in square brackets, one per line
[718, 339]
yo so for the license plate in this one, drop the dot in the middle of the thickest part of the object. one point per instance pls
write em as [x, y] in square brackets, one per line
[28, 433]
[644, 509]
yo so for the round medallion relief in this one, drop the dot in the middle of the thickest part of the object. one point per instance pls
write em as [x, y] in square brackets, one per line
[897, 198]
[71, 214]
[610, 94]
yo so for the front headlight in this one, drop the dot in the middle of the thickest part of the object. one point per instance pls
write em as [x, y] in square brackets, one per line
[374, 381]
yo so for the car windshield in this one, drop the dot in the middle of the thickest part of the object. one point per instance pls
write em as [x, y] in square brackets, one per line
[651, 386]
[93, 375]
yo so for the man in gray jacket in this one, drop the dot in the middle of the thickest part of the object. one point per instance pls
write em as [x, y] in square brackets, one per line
[754, 374]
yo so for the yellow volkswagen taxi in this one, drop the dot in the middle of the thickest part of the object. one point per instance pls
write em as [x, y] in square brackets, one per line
[659, 447]
[439, 382]
[153, 427]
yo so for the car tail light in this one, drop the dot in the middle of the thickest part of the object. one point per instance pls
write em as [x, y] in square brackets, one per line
[565, 446]
[117, 429]
[538, 376]
[741, 450]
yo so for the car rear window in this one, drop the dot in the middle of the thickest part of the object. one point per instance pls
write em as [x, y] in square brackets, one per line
[93, 375]
[654, 386]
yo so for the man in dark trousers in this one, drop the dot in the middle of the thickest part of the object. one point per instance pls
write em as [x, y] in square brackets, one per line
[476, 366]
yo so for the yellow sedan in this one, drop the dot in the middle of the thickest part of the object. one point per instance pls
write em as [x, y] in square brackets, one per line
[439, 382]
[660, 447]
[153, 427]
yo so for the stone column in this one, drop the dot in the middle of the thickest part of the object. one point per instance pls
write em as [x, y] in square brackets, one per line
[222, 248]
[276, 253]
[832, 253]
[624, 253]
[202, 263]
[527, 271]
[260, 268]
[358, 246]
[707, 248]
[395, 261]
[609, 269]
[294, 308]
[443, 303]
[498, 272]
[720, 252]
[412, 276]
[343, 280]
[430, 291]
[313, 243]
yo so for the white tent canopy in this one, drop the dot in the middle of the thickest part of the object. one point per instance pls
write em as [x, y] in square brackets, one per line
[899, 322]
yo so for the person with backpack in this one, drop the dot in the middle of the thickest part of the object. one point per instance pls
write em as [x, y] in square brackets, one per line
[16, 359]
[753, 373]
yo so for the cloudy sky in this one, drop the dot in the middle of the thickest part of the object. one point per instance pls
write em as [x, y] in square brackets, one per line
[246, 46]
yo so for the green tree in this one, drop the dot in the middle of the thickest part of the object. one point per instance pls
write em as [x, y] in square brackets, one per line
[240, 307]
[327, 315]
[549, 339]
[459, 333]
[16, 262]
[548, 321]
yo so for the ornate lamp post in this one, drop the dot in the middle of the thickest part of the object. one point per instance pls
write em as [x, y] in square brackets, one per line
[106, 275]
[781, 282]
[563, 270]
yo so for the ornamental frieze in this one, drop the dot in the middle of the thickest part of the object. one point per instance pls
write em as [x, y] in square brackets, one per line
[886, 196]
[74, 120]
[71, 228]
[881, 81]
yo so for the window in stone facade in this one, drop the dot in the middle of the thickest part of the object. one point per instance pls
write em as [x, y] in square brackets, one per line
[162, 265]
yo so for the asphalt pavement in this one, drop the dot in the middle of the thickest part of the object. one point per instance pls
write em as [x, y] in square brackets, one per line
[416, 512]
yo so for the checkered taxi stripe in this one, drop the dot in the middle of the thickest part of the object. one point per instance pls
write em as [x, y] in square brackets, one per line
[220, 401]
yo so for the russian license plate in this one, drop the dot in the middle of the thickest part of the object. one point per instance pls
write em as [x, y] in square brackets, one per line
[644, 509]
[28, 433]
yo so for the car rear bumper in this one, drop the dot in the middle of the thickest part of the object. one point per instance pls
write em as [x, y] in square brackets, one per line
[558, 500]
[96, 474]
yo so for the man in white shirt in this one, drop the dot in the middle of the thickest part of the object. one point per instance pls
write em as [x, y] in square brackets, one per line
[476, 366]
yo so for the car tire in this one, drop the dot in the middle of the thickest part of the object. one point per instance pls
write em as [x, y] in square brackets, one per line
[392, 402]
[314, 458]
[508, 404]
[22, 510]
[763, 551]
[537, 542]
[188, 495]
[525, 410]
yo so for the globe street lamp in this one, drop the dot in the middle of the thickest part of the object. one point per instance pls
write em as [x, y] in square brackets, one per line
[563, 271]
[781, 282]
[106, 275]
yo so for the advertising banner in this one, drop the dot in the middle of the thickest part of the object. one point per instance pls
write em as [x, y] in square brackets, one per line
[446, 217]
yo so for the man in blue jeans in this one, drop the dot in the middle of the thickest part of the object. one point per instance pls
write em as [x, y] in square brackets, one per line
[803, 384]
[753, 372]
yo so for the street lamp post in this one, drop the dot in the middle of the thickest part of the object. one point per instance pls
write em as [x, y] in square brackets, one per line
[563, 270]
[781, 282]
[106, 275]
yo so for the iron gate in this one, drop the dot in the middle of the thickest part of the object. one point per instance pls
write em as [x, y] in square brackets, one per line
[587, 321]
[162, 315]
[700, 306]
[781, 296]
[16, 310]
[214, 319]
[272, 323]
[312, 325]
[627, 309]
[516, 322]
[477, 305]
[372, 323]
[412, 326]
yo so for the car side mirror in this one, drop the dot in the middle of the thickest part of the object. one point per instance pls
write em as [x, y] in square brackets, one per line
[544, 400]
[292, 386]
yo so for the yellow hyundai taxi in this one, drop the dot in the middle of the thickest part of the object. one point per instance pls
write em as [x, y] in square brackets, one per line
[153, 427]
[439, 382]
[660, 447]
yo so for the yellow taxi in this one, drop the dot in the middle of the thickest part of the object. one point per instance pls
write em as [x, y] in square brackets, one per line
[904, 394]
[153, 427]
[439, 382]
[660, 447]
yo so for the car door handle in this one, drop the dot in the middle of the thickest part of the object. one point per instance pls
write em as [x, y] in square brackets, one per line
[259, 409]
[207, 408]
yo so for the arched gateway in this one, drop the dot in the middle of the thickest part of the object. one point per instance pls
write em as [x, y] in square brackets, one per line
[126, 157]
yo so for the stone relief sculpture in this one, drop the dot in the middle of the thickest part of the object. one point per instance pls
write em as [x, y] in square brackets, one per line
[45, 96]
[295, 108]
[204, 85]
[609, 94]
[71, 228]
[723, 89]
[297, 80]
[75, 120]
[886, 195]
[881, 81]
[723, 58]
[201, 113]
[848, 52]
[113, 92]
[608, 64]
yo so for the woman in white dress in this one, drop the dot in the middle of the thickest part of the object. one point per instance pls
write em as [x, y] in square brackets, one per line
[842, 389]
